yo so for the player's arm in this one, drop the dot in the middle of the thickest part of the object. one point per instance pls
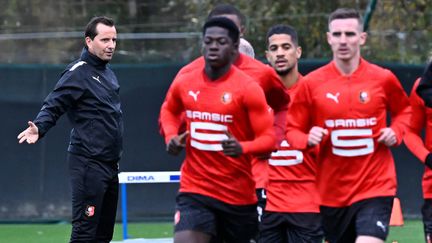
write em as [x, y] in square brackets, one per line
[278, 99]
[170, 119]
[194, 65]
[412, 138]
[299, 125]
[261, 121]
[161, 131]
[162, 113]
[399, 107]
[163, 107]
[279, 124]
[67, 90]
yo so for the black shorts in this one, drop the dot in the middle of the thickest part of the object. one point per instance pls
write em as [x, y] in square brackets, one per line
[427, 216]
[369, 217]
[224, 222]
[290, 227]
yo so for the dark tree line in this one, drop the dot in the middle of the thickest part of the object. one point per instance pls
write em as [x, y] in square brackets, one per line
[399, 30]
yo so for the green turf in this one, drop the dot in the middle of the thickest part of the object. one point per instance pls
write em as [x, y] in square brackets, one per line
[411, 232]
[144, 230]
[57, 233]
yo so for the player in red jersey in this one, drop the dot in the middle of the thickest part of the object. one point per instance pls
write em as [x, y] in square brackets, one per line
[292, 210]
[267, 78]
[275, 92]
[342, 106]
[419, 121]
[227, 122]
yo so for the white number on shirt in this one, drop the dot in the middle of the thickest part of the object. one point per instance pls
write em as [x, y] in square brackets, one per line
[295, 156]
[345, 144]
[207, 135]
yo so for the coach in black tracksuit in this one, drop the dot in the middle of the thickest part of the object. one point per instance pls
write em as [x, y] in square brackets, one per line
[89, 92]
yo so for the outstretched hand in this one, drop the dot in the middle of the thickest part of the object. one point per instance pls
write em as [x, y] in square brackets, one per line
[31, 134]
[177, 143]
[231, 147]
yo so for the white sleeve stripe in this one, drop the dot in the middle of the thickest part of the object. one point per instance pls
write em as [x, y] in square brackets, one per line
[77, 65]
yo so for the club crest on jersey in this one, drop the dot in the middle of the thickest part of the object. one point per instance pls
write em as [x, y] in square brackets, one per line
[226, 98]
[364, 97]
[90, 210]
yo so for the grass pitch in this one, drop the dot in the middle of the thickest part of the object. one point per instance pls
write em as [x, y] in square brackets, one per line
[411, 232]
[58, 233]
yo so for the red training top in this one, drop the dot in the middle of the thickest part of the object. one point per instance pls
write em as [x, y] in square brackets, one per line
[421, 117]
[233, 103]
[352, 165]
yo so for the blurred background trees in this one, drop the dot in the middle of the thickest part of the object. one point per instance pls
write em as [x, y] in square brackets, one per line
[51, 31]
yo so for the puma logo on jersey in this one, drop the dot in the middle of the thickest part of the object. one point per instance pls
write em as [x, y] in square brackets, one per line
[194, 94]
[96, 78]
[333, 97]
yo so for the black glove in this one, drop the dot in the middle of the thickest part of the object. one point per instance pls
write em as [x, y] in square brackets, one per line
[177, 143]
[231, 147]
[428, 160]
[424, 90]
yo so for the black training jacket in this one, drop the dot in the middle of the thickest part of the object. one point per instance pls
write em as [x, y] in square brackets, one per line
[88, 91]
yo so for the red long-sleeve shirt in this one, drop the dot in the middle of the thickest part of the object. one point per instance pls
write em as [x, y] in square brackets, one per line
[352, 165]
[233, 103]
[291, 184]
[276, 96]
[421, 118]
[266, 77]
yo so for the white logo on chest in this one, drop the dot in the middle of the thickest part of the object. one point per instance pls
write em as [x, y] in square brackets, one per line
[96, 78]
[333, 97]
[194, 94]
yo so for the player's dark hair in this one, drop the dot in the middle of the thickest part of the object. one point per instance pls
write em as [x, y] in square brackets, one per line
[233, 31]
[346, 13]
[90, 30]
[282, 29]
[222, 9]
